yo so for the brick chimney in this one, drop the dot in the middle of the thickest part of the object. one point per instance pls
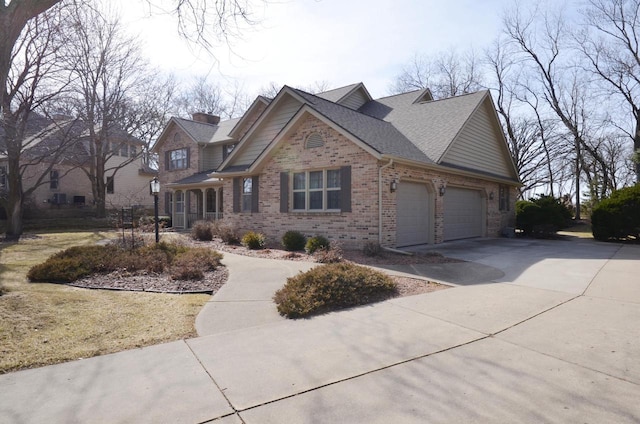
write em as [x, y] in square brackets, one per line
[207, 118]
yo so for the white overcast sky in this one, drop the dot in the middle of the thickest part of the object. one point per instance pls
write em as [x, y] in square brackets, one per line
[299, 42]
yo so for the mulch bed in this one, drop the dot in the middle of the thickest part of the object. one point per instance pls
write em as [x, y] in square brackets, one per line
[162, 283]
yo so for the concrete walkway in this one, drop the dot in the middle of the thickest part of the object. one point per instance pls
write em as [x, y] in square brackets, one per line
[556, 341]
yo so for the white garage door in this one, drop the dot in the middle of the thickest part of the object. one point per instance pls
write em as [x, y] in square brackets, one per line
[463, 213]
[412, 214]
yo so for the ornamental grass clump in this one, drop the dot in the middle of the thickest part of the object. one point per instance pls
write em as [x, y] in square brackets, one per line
[331, 287]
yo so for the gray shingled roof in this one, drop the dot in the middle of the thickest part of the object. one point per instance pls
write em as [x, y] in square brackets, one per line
[380, 135]
[431, 126]
[337, 93]
[200, 132]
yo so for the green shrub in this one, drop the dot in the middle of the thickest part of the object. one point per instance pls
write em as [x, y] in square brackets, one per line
[192, 264]
[618, 217]
[315, 243]
[202, 230]
[542, 216]
[330, 287]
[293, 241]
[252, 240]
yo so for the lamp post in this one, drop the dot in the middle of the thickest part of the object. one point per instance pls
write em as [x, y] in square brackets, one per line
[154, 187]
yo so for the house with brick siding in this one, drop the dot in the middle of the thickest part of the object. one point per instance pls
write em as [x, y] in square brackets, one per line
[401, 170]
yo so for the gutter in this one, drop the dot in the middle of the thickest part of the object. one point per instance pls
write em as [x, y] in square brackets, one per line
[380, 199]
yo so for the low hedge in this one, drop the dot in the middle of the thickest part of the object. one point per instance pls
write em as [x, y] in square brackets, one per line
[81, 261]
[618, 217]
[331, 287]
[541, 216]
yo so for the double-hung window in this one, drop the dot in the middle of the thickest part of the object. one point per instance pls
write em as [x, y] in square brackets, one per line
[316, 190]
[226, 150]
[53, 180]
[110, 185]
[3, 177]
[178, 159]
[247, 191]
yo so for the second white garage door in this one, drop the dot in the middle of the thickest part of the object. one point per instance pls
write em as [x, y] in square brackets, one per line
[412, 214]
[463, 213]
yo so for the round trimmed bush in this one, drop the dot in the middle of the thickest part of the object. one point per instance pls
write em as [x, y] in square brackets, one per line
[330, 287]
[315, 243]
[253, 240]
[293, 241]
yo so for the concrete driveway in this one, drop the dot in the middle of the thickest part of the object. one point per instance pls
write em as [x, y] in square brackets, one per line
[553, 337]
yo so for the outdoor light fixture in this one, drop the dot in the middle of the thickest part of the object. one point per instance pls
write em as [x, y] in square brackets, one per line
[154, 188]
[491, 196]
[442, 190]
[394, 186]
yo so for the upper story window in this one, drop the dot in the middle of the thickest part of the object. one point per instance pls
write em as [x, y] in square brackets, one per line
[124, 150]
[110, 185]
[317, 190]
[178, 159]
[54, 179]
[227, 149]
[314, 140]
[133, 151]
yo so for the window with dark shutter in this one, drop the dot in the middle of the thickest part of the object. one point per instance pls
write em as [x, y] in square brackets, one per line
[237, 193]
[284, 192]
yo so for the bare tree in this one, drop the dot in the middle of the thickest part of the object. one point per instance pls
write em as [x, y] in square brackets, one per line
[115, 94]
[198, 20]
[33, 80]
[446, 74]
[611, 45]
[542, 40]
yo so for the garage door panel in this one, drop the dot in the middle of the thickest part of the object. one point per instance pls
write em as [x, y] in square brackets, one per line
[412, 214]
[463, 213]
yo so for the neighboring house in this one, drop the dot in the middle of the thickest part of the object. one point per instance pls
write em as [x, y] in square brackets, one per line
[402, 170]
[65, 184]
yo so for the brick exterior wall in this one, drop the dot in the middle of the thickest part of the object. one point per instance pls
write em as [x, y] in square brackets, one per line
[169, 176]
[351, 229]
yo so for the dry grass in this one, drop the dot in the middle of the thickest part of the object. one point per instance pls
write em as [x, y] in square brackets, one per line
[581, 230]
[42, 324]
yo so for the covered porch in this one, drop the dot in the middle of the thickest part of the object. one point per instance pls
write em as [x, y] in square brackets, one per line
[191, 202]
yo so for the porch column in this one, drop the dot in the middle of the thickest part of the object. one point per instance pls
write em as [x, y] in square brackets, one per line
[186, 208]
[204, 203]
[173, 207]
[218, 203]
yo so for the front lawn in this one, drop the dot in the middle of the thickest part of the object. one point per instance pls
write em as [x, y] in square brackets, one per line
[42, 324]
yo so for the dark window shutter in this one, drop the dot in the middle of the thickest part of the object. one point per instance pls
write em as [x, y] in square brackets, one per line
[167, 203]
[284, 192]
[188, 157]
[255, 196]
[166, 160]
[345, 189]
[237, 194]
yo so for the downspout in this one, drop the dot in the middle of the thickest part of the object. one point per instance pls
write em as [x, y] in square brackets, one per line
[380, 199]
